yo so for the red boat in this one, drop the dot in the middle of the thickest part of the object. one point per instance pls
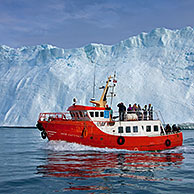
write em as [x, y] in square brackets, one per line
[96, 126]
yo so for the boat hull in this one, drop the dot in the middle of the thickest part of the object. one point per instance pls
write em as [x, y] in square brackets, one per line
[87, 133]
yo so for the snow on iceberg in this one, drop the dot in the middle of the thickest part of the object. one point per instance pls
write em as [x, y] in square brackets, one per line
[155, 67]
[186, 126]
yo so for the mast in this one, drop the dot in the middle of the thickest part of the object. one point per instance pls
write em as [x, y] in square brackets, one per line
[103, 100]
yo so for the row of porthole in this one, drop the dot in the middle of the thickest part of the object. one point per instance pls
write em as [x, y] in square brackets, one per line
[121, 140]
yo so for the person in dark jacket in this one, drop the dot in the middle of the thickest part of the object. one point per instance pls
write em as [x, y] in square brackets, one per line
[150, 110]
[145, 112]
[122, 110]
[168, 128]
[175, 129]
[139, 112]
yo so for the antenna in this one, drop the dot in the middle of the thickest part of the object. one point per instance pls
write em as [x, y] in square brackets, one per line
[94, 81]
[112, 93]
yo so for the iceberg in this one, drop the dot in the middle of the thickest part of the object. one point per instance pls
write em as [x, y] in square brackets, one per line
[186, 126]
[155, 67]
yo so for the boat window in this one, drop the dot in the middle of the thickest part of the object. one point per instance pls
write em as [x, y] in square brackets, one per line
[85, 114]
[148, 128]
[101, 114]
[128, 129]
[155, 128]
[71, 114]
[77, 115]
[120, 129]
[135, 129]
[81, 115]
[96, 114]
[92, 114]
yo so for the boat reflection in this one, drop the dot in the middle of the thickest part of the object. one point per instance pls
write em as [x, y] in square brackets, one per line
[135, 165]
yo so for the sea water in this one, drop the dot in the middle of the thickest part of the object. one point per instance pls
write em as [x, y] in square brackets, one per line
[29, 164]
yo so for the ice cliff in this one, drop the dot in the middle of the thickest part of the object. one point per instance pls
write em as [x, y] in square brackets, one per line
[155, 67]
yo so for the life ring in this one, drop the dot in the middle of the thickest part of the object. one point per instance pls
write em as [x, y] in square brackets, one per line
[84, 133]
[121, 140]
[136, 149]
[43, 135]
[167, 142]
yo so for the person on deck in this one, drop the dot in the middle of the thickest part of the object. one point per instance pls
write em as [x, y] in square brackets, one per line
[135, 108]
[175, 128]
[145, 112]
[122, 110]
[129, 109]
[150, 110]
[139, 112]
[168, 128]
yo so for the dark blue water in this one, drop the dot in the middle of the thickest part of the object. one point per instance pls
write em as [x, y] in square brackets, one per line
[29, 164]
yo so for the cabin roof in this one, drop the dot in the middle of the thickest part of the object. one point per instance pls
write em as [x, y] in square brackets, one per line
[81, 107]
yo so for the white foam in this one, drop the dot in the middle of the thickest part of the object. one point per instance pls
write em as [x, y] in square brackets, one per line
[66, 146]
[181, 149]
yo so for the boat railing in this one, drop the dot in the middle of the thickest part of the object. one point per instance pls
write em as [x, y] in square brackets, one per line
[54, 116]
[138, 115]
[128, 116]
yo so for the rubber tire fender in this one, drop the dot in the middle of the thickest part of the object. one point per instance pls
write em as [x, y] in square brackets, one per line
[43, 135]
[167, 143]
[39, 126]
[121, 140]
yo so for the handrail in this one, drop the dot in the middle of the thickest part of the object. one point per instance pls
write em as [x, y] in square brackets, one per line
[62, 116]
[54, 116]
[141, 114]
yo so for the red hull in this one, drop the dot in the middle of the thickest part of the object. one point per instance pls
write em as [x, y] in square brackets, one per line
[86, 133]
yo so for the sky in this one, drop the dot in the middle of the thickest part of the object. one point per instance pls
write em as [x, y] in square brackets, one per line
[76, 23]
